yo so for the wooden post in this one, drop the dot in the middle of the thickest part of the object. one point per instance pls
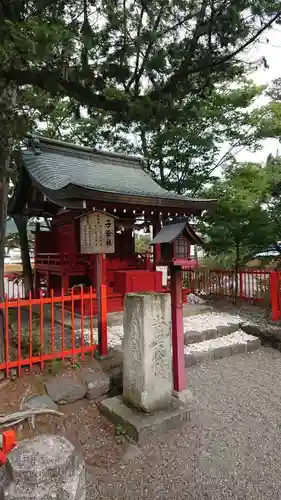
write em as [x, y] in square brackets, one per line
[157, 248]
[177, 329]
[274, 294]
[37, 280]
[102, 310]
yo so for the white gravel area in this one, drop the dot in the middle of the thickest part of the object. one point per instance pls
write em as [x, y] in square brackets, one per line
[210, 321]
[235, 338]
[198, 322]
[114, 333]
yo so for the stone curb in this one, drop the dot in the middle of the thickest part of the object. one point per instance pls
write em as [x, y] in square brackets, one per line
[196, 336]
[218, 352]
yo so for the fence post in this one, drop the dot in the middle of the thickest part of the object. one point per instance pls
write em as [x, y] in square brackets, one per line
[103, 348]
[274, 294]
[240, 284]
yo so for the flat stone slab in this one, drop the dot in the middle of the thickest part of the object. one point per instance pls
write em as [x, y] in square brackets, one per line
[140, 425]
[265, 330]
[222, 347]
[65, 390]
[97, 383]
[40, 401]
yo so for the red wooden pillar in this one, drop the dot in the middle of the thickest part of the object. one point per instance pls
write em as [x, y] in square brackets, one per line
[177, 329]
[102, 309]
[274, 294]
[65, 283]
[37, 281]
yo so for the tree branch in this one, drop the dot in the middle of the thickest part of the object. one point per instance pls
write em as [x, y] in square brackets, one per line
[55, 84]
[138, 46]
[184, 71]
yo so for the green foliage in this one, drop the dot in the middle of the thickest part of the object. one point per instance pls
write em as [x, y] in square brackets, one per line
[142, 244]
[12, 240]
[132, 60]
[241, 224]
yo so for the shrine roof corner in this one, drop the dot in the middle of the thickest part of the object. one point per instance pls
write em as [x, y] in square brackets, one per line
[64, 172]
[174, 228]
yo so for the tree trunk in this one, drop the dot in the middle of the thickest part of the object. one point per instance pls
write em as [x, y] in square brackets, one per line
[237, 265]
[21, 223]
[4, 164]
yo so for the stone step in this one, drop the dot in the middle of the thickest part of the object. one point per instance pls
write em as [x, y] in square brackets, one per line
[195, 336]
[238, 342]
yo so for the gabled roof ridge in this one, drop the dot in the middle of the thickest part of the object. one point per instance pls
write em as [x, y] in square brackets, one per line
[64, 146]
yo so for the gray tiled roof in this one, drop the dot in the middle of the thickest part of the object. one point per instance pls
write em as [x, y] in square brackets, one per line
[57, 167]
[55, 172]
[169, 232]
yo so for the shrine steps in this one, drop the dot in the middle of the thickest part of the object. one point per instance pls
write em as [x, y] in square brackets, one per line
[212, 336]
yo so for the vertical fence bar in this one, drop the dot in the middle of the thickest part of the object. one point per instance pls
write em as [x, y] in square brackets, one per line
[6, 329]
[52, 323]
[72, 325]
[42, 339]
[252, 275]
[82, 323]
[30, 330]
[62, 324]
[103, 319]
[91, 320]
[19, 335]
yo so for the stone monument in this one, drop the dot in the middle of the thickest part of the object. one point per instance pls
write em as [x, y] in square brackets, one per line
[148, 403]
[43, 468]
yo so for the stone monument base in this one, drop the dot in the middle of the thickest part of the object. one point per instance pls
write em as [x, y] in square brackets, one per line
[141, 425]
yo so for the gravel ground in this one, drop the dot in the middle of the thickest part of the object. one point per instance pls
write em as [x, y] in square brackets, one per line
[238, 337]
[231, 450]
[210, 320]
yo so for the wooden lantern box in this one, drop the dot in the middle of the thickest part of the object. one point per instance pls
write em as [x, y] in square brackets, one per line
[175, 239]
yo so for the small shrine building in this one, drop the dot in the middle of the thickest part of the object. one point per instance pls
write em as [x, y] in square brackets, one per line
[62, 182]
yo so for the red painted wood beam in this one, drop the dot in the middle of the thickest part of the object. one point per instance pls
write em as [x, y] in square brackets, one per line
[177, 329]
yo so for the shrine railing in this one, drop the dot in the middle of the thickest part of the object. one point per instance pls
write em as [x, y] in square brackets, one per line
[249, 284]
[58, 259]
[39, 331]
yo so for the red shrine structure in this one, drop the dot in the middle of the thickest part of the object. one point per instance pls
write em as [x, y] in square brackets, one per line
[65, 183]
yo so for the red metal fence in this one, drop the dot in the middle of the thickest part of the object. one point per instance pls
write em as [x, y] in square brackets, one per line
[42, 329]
[38, 330]
[249, 284]
[252, 284]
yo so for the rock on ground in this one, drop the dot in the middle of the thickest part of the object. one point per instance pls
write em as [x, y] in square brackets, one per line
[44, 468]
[40, 401]
[63, 390]
[97, 383]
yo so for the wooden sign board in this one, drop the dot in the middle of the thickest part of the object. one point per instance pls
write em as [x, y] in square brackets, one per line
[97, 233]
